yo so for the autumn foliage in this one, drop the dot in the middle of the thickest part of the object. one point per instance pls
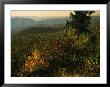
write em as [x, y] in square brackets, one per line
[59, 54]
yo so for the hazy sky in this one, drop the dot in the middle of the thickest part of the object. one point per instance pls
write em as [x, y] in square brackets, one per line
[46, 13]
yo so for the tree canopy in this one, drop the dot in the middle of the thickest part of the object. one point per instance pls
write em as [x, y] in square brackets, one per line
[80, 20]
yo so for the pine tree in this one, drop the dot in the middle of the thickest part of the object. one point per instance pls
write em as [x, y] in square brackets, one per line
[80, 20]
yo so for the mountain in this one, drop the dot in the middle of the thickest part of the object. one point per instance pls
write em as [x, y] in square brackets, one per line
[52, 21]
[20, 23]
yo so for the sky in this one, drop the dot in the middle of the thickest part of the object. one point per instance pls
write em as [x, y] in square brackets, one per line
[46, 13]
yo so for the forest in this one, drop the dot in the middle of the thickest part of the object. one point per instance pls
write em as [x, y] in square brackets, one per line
[72, 50]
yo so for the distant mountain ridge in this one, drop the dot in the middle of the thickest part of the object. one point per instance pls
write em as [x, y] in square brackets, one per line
[20, 23]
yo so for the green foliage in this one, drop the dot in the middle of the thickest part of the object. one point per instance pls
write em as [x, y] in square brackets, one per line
[64, 53]
[81, 20]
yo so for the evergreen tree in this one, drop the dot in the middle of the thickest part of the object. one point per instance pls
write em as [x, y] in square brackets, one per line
[80, 20]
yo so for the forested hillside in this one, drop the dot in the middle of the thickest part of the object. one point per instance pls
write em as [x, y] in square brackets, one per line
[56, 51]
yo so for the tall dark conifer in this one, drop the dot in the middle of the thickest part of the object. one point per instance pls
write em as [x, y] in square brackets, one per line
[80, 20]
